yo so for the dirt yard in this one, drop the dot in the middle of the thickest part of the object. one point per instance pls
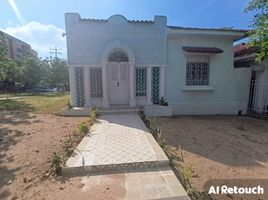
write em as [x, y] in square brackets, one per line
[220, 147]
[27, 142]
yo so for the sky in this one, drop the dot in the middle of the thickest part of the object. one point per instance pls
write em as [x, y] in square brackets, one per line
[40, 23]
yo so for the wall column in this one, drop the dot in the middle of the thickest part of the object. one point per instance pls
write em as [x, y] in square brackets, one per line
[105, 98]
[132, 76]
[149, 85]
[87, 86]
[162, 81]
[72, 86]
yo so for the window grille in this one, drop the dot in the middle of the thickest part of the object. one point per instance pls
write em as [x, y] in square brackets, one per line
[96, 82]
[197, 70]
[79, 81]
[118, 56]
[155, 84]
[141, 82]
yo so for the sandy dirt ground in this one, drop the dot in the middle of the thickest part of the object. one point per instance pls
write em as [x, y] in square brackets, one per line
[220, 147]
[27, 142]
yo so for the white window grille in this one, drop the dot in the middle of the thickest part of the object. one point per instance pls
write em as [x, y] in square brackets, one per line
[197, 70]
[96, 82]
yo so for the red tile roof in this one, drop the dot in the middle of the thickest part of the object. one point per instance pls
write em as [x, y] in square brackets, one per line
[242, 50]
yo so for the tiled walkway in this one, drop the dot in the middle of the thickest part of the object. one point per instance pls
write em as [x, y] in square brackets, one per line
[120, 143]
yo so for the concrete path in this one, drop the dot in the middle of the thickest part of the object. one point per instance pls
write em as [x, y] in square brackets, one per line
[120, 143]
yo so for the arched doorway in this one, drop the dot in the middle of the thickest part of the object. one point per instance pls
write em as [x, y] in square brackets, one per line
[118, 78]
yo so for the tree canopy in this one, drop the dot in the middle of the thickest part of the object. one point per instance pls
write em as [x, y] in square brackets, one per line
[258, 37]
[30, 72]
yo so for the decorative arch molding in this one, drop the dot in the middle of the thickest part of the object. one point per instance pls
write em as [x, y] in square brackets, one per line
[117, 46]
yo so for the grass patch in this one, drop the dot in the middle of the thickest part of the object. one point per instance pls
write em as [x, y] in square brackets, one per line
[43, 103]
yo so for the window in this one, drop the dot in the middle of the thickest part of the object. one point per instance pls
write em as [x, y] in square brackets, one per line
[155, 84]
[197, 70]
[140, 82]
[79, 81]
[96, 82]
[118, 56]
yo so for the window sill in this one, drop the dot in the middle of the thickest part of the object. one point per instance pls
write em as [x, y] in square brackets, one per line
[198, 88]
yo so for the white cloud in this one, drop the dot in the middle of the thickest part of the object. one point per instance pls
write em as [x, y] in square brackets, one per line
[41, 37]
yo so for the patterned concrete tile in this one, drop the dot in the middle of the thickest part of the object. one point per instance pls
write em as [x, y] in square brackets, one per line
[119, 139]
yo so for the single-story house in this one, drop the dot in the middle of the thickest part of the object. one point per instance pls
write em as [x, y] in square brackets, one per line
[119, 62]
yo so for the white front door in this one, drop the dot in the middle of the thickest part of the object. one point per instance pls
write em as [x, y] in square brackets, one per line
[118, 83]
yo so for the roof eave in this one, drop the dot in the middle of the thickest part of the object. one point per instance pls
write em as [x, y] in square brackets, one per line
[234, 34]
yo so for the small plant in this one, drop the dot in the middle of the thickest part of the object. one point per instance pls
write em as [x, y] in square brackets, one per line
[159, 137]
[56, 163]
[69, 105]
[83, 129]
[68, 147]
[93, 113]
[163, 102]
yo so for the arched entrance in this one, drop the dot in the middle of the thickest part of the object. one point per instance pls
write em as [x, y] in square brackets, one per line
[118, 78]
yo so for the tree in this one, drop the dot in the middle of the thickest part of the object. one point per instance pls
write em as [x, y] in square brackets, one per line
[8, 68]
[258, 37]
[30, 73]
[59, 72]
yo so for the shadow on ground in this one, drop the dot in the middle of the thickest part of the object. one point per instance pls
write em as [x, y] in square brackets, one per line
[8, 138]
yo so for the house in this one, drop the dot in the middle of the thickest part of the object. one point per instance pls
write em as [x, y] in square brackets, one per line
[17, 48]
[257, 77]
[116, 61]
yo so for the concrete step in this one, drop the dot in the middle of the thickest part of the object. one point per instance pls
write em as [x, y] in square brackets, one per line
[119, 109]
[76, 169]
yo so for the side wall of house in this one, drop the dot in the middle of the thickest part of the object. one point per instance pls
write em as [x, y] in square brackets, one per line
[227, 92]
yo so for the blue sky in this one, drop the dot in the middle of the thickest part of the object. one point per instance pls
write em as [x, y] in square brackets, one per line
[41, 22]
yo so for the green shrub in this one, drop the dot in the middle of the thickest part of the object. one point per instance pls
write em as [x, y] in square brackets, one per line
[56, 163]
[69, 105]
[94, 113]
[83, 129]
[68, 147]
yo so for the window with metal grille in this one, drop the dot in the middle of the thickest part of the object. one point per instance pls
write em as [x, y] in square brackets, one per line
[197, 70]
[96, 82]
[141, 82]
[155, 84]
[79, 82]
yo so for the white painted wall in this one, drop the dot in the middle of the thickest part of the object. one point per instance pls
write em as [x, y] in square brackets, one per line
[227, 92]
[155, 44]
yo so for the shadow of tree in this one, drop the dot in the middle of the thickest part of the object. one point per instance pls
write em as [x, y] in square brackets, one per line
[13, 104]
[8, 138]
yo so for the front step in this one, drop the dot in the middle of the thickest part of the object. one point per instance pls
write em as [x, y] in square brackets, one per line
[84, 111]
[73, 169]
[119, 109]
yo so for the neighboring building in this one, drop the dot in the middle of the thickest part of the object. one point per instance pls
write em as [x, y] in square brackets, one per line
[255, 78]
[134, 63]
[17, 48]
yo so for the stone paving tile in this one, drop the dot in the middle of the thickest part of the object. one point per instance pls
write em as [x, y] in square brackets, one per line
[140, 185]
[117, 139]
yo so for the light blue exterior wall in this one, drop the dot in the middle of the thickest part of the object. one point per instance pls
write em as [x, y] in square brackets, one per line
[88, 38]
[153, 43]
[221, 96]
